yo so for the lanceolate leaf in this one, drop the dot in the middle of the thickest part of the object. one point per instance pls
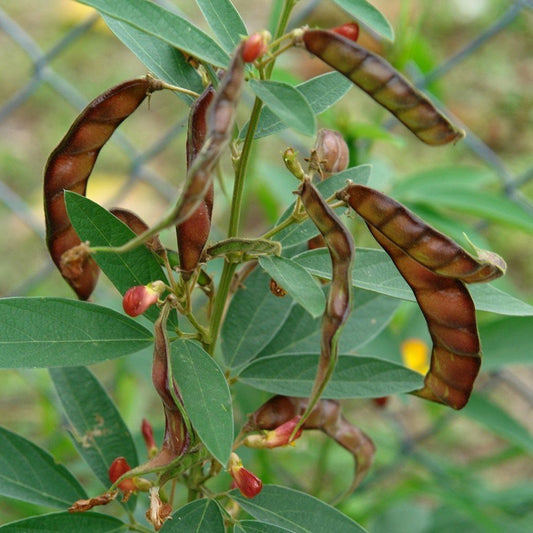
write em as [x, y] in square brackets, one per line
[254, 316]
[162, 24]
[374, 271]
[253, 526]
[354, 377]
[297, 282]
[366, 13]
[161, 59]
[287, 103]
[321, 92]
[295, 511]
[206, 396]
[98, 431]
[225, 22]
[65, 521]
[47, 332]
[30, 474]
[199, 516]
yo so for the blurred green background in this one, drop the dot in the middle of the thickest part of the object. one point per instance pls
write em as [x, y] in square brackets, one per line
[435, 470]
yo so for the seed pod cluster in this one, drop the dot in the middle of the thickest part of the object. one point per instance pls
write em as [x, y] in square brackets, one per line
[192, 234]
[70, 165]
[436, 269]
[384, 84]
[326, 416]
[338, 306]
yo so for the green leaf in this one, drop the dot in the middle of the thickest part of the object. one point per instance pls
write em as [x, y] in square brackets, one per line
[354, 376]
[368, 15]
[298, 233]
[206, 396]
[46, 332]
[152, 19]
[163, 60]
[295, 511]
[287, 103]
[64, 521]
[506, 341]
[30, 474]
[321, 92]
[97, 225]
[492, 416]
[225, 22]
[254, 316]
[302, 334]
[200, 515]
[98, 431]
[374, 271]
[253, 526]
[297, 282]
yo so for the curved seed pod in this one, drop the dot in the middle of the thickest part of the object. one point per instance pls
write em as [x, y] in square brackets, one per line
[384, 84]
[192, 234]
[451, 318]
[70, 165]
[423, 243]
[220, 120]
[326, 416]
[338, 306]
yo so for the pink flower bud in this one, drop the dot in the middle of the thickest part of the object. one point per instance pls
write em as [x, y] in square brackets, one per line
[255, 46]
[249, 484]
[139, 298]
[350, 30]
[281, 436]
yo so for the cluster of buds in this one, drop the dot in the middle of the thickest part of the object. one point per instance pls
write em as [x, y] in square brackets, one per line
[139, 298]
[247, 482]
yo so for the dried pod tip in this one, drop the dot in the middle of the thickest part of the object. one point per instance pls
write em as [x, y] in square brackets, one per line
[255, 46]
[415, 355]
[290, 158]
[332, 151]
[350, 30]
[139, 298]
[117, 469]
[249, 484]
[281, 436]
[148, 436]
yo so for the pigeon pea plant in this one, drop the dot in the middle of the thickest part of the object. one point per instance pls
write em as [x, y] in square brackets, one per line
[266, 300]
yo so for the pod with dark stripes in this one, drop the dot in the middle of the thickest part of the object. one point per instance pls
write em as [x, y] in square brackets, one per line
[70, 165]
[384, 84]
[338, 306]
[326, 416]
[420, 241]
[192, 234]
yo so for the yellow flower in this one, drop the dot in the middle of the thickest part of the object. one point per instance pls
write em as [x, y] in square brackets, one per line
[415, 355]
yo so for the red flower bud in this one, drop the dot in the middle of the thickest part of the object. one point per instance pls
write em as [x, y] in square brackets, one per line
[380, 402]
[277, 437]
[249, 484]
[118, 468]
[350, 30]
[139, 298]
[148, 436]
[255, 46]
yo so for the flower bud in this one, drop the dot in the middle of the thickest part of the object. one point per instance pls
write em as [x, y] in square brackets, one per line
[332, 152]
[139, 298]
[281, 436]
[249, 484]
[290, 158]
[350, 30]
[148, 436]
[255, 46]
[380, 402]
[117, 469]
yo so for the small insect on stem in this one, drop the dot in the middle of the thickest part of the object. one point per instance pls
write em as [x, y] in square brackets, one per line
[338, 306]
[70, 165]
[384, 84]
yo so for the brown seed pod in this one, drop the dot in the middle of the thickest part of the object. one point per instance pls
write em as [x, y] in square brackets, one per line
[192, 234]
[70, 165]
[423, 243]
[384, 84]
[338, 306]
[326, 416]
